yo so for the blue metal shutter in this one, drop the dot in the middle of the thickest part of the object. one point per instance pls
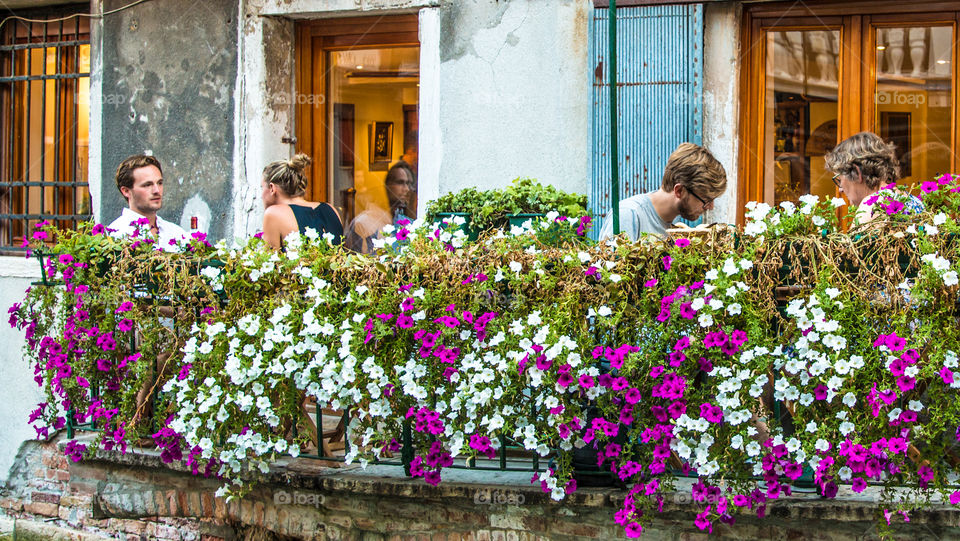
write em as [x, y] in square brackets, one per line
[660, 95]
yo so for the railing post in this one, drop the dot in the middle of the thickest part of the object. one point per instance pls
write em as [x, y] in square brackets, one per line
[614, 152]
[406, 451]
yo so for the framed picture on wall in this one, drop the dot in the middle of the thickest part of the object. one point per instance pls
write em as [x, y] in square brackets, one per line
[381, 145]
[895, 128]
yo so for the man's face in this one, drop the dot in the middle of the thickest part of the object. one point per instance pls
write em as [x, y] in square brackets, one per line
[690, 206]
[146, 195]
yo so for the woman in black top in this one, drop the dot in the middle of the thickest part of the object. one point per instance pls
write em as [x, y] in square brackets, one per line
[285, 209]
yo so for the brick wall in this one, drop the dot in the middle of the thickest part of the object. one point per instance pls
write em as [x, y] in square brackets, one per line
[134, 497]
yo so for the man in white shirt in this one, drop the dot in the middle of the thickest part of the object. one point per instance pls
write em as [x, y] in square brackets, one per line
[140, 180]
[691, 181]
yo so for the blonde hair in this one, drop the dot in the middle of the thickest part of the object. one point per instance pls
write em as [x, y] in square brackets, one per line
[289, 175]
[876, 160]
[693, 167]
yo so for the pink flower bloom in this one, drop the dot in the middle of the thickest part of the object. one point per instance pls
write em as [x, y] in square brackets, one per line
[711, 413]
[926, 474]
[682, 344]
[929, 186]
[682, 243]
[738, 337]
[676, 409]
[125, 306]
[947, 375]
[858, 485]
[634, 530]
[586, 381]
[897, 445]
[650, 283]
[404, 321]
[677, 358]
[895, 343]
[897, 366]
[906, 383]
[667, 260]
[955, 498]
[687, 311]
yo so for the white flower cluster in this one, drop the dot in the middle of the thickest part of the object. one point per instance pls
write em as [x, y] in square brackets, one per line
[818, 352]
[942, 267]
[728, 288]
[761, 218]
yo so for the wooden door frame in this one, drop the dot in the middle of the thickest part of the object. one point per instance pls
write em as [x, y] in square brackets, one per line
[314, 40]
[857, 22]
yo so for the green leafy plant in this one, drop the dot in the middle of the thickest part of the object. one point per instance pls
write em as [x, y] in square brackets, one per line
[744, 358]
[489, 209]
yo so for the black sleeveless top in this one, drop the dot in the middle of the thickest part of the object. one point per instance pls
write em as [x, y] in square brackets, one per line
[322, 218]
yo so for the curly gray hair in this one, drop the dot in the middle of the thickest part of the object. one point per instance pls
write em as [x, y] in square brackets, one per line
[876, 160]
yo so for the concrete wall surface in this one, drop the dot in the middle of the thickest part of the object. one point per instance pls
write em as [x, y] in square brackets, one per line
[20, 395]
[169, 72]
[514, 90]
[721, 98]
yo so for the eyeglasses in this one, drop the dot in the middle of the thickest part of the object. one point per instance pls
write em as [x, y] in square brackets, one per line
[702, 201]
[836, 179]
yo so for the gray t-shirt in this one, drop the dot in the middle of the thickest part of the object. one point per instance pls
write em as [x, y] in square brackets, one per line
[637, 215]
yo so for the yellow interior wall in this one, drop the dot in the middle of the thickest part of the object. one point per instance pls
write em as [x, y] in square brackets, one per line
[374, 103]
[821, 183]
[929, 129]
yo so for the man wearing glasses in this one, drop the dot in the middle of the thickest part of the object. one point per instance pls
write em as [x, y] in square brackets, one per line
[691, 181]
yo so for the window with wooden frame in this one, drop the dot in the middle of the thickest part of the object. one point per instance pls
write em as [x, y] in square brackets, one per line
[813, 75]
[358, 82]
[44, 123]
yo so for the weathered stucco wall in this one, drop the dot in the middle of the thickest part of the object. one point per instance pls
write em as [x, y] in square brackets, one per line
[21, 394]
[168, 80]
[265, 109]
[514, 93]
[721, 98]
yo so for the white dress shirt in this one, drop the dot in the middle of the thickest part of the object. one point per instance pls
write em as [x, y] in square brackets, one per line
[126, 226]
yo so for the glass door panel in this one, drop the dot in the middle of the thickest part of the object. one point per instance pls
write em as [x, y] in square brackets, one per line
[913, 98]
[373, 141]
[801, 102]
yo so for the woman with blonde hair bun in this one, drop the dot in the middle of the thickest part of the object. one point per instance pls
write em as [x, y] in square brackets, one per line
[284, 184]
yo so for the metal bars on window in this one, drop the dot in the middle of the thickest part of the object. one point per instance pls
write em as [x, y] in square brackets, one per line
[44, 125]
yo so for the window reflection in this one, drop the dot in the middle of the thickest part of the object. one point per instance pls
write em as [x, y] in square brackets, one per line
[913, 95]
[373, 150]
[801, 112]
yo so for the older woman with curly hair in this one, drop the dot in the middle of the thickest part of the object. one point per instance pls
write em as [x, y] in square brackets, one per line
[863, 165]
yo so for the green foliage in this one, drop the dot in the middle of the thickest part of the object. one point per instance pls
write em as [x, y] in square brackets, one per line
[489, 209]
[737, 354]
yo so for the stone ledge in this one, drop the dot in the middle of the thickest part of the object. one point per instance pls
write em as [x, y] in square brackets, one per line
[309, 475]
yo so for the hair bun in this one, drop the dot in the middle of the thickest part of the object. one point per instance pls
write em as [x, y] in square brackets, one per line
[299, 162]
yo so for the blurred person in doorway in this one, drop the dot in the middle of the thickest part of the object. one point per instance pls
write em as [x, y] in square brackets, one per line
[405, 170]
